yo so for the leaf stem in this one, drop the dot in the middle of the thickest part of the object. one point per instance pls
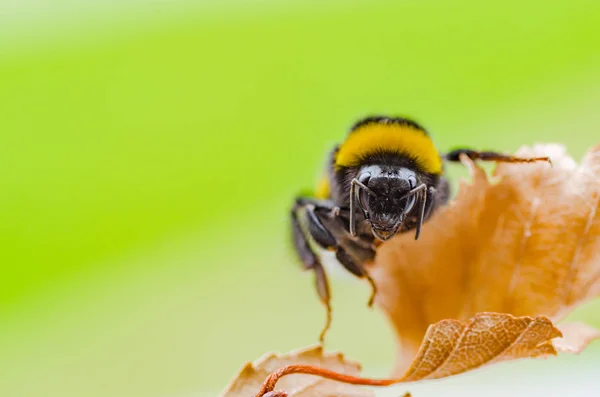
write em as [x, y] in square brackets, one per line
[272, 379]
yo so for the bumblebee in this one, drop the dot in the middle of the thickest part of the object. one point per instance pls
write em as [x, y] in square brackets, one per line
[386, 178]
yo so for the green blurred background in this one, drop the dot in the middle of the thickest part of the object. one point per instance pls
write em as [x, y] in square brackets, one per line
[149, 152]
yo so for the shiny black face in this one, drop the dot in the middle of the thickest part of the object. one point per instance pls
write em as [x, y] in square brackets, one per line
[387, 201]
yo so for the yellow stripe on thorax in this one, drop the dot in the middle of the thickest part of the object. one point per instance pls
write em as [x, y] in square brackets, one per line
[323, 189]
[404, 139]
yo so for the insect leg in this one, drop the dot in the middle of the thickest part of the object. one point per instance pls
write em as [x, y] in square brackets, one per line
[328, 226]
[311, 261]
[323, 290]
[316, 229]
[358, 270]
[491, 156]
[307, 256]
[351, 251]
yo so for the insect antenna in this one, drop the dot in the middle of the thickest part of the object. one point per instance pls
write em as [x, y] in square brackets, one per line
[355, 187]
[421, 192]
[423, 200]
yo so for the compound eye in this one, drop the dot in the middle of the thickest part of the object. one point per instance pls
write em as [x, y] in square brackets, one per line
[363, 194]
[409, 203]
[412, 181]
[364, 178]
[363, 199]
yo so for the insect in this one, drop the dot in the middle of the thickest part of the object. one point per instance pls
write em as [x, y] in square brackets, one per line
[386, 178]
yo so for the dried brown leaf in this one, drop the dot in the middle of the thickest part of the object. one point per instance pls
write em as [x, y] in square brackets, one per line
[251, 377]
[528, 245]
[452, 347]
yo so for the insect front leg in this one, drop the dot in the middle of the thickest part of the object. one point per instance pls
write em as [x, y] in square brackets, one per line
[310, 260]
[326, 225]
[357, 269]
[352, 252]
[491, 156]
